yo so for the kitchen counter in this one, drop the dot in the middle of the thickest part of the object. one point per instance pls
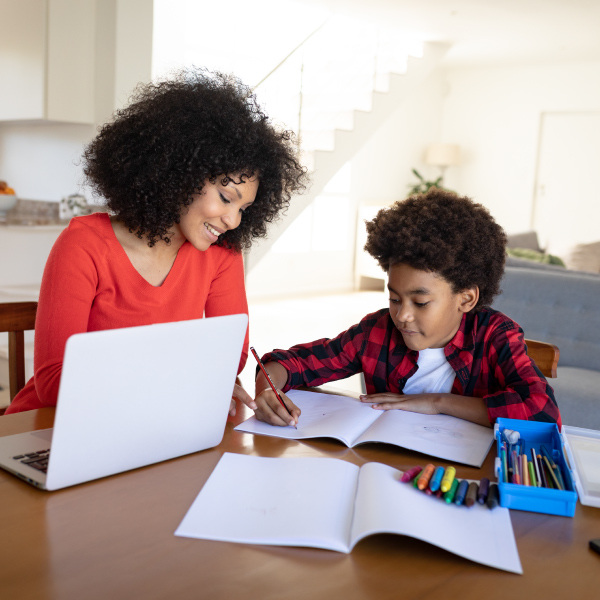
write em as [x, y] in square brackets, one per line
[37, 213]
[28, 213]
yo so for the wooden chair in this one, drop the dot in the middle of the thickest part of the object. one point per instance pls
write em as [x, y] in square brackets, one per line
[544, 355]
[16, 318]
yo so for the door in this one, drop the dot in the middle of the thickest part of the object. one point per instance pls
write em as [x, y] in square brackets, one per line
[566, 209]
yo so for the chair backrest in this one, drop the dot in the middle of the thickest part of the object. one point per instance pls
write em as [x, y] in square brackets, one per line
[16, 318]
[544, 355]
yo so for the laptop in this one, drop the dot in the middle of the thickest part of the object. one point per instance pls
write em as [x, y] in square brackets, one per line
[133, 397]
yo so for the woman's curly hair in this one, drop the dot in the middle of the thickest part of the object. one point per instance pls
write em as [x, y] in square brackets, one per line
[174, 136]
[443, 233]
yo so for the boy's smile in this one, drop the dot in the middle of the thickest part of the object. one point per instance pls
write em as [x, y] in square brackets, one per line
[424, 308]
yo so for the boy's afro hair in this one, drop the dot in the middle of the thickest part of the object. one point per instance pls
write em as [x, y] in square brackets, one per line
[443, 233]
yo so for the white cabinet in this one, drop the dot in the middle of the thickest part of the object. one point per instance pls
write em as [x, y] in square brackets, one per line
[47, 60]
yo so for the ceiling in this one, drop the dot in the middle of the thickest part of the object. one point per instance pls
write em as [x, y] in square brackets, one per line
[490, 31]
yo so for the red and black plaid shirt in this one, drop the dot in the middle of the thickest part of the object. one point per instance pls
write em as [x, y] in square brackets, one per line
[488, 355]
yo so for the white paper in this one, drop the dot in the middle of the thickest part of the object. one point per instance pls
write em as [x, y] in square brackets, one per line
[476, 533]
[332, 504]
[258, 500]
[443, 436]
[583, 448]
[354, 422]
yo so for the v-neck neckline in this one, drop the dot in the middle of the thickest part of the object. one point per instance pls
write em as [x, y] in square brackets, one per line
[171, 275]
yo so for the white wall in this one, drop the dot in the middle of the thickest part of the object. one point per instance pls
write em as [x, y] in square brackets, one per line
[381, 172]
[494, 113]
[41, 160]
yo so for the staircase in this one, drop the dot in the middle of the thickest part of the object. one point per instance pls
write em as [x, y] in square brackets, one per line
[335, 90]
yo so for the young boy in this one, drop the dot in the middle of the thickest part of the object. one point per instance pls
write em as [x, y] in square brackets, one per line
[439, 348]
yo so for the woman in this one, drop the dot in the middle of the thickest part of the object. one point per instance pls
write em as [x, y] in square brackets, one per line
[191, 172]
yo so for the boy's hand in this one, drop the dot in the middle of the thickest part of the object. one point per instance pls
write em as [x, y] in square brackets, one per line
[270, 410]
[420, 403]
[463, 407]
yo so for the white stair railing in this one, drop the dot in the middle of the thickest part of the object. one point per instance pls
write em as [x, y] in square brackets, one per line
[316, 88]
[334, 90]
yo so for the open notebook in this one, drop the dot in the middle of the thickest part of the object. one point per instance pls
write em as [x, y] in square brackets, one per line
[332, 504]
[132, 397]
[352, 422]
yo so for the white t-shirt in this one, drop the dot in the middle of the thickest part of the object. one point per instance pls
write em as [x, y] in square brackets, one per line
[434, 375]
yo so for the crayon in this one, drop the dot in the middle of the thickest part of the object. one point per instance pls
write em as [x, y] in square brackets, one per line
[532, 479]
[410, 474]
[471, 495]
[436, 479]
[449, 495]
[447, 479]
[425, 477]
[484, 486]
[461, 492]
[493, 497]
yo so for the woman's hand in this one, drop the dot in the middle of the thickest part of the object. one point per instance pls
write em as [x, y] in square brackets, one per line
[239, 393]
[270, 411]
[420, 403]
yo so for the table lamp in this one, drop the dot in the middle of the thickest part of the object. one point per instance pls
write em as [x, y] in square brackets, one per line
[443, 156]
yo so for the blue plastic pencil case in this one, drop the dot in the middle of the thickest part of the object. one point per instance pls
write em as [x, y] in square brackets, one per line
[533, 434]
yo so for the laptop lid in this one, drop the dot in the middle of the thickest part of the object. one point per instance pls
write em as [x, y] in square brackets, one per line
[140, 395]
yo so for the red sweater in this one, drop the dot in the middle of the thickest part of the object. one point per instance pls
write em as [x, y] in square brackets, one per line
[89, 284]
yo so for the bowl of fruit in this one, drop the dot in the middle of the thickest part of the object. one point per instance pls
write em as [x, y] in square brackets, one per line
[8, 198]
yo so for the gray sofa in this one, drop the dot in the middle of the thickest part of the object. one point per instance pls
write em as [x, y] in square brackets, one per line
[561, 306]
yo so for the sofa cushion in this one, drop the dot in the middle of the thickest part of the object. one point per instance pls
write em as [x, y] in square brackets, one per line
[535, 256]
[577, 393]
[527, 239]
[584, 257]
[560, 307]
[516, 261]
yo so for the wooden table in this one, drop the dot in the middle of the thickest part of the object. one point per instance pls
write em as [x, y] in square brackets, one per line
[113, 538]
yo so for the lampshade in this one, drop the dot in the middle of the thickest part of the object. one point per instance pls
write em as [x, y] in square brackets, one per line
[443, 155]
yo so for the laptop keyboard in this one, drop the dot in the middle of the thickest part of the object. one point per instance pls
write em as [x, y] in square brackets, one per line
[38, 460]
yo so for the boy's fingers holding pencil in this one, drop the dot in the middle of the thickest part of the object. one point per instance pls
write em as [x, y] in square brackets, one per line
[271, 411]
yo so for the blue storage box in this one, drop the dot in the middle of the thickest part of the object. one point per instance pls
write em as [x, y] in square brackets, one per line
[533, 434]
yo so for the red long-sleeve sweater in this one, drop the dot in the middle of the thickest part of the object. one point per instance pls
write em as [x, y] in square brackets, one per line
[89, 284]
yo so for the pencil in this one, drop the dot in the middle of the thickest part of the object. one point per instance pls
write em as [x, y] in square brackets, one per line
[538, 476]
[262, 368]
[524, 469]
